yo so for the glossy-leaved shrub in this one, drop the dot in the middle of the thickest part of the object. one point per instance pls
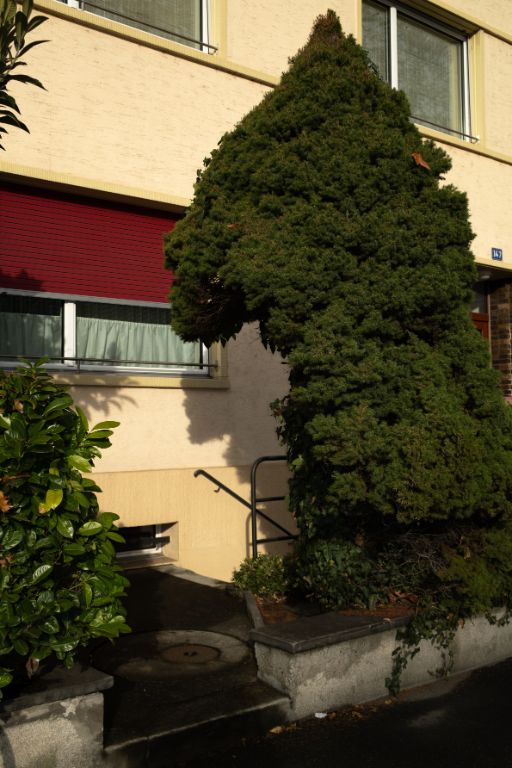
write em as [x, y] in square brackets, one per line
[59, 582]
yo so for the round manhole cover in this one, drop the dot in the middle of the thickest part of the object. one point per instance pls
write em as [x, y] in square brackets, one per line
[170, 654]
[190, 653]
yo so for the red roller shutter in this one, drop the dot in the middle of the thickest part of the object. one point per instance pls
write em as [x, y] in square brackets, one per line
[58, 243]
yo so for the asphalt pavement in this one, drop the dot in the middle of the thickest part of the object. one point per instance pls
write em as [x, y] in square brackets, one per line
[462, 722]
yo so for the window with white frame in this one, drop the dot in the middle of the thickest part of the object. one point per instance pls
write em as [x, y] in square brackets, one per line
[95, 335]
[184, 21]
[425, 58]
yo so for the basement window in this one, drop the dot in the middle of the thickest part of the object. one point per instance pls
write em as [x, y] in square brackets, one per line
[140, 540]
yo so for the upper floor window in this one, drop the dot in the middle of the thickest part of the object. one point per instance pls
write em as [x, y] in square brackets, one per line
[426, 59]
[184, 21]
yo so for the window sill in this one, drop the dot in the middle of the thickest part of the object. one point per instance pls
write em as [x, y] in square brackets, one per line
[478, 148]
[141, 381]
[215, 61]
[218, 380]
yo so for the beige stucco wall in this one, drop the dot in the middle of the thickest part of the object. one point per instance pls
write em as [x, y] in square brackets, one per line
[147, 476]
[125, 112]
[264, 35]
[162, 428]
[209, 531]
[497, 87]
[488, 184]
[495, 13]
[122, 111]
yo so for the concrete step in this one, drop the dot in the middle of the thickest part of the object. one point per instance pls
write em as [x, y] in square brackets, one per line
[197, 727]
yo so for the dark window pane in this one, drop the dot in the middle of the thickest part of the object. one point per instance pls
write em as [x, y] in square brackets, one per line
[430, 73]
[376, 36]
[30, 326]
[173, 19]
[137, 538]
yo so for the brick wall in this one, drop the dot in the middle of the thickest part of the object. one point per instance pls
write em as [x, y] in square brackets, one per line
[501, 332]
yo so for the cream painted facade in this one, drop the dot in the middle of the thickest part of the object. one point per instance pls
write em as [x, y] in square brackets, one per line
[130, 116]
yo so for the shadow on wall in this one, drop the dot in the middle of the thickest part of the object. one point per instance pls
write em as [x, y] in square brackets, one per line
[106, 400]
[241, 418]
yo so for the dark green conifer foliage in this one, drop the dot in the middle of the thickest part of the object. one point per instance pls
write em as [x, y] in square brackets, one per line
[314, 218]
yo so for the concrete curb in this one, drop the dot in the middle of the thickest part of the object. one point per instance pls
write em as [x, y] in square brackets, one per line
[325, 663]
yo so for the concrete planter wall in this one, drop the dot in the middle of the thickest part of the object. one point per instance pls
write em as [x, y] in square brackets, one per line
[324, 662]
[56, 722]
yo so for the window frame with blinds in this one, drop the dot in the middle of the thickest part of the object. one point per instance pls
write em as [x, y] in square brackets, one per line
[197, 38]
[449, 69]
[101, 346]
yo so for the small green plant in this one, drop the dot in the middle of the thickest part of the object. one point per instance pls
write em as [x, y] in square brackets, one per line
[264, 576]
[337, 574]
[59, 584]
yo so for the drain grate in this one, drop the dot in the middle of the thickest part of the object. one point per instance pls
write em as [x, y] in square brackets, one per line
[190, 653]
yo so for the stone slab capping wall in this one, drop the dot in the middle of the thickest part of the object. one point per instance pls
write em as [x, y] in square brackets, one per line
[328, 661]
[57, 722]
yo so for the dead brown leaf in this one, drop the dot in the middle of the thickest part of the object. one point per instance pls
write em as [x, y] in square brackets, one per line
[5, 506]
[418, 159]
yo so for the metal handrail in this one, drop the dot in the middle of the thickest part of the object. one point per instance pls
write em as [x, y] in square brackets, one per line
[445, 129]
[255, 500]
[252, 505]
[82, 361]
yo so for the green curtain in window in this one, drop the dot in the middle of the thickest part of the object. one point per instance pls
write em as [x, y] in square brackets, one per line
[166, 18]
[123, 340]
[376, 36]
[430, 73]
[30, 335]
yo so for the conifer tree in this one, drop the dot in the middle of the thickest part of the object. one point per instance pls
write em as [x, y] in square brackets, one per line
[324, 216]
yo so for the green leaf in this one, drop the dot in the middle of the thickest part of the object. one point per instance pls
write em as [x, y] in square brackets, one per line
[59, 403]
[35, 21]
[107, 518]
[45, 543]
[87, 594]
[20, 25]
[100, 436]
[51, 625]
[78, 462]
[20, 646]
[27, 7]
[41, 573]
[5, 677]
[64, 647]
[53, 498]
[116, 537]
[90, 528]
[83, 418]
[5, 422]
[65, 527]
[106, 425]
[82, 499]
[12, 538]
[32, 45]
[74, 549]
